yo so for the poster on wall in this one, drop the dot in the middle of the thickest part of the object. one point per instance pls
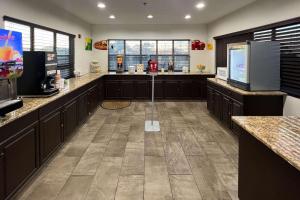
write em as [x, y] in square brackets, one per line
[11, 54]
[101, 45]
[88, 44]
[198, 45]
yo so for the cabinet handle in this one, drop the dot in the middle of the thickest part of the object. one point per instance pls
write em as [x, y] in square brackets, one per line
[62, 125]
[2, 154]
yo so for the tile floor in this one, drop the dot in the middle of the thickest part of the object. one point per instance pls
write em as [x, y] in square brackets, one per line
[110, 157]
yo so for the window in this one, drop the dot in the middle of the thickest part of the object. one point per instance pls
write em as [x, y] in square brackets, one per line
[140, 51]
[25, 30]
[40, 38]
[43, 40]
[289, 37]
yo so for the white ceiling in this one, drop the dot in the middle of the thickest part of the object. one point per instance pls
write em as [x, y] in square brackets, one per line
[164, 11]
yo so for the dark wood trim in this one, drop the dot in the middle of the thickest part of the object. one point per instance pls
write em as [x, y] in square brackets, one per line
[7, 18]
[260, 28]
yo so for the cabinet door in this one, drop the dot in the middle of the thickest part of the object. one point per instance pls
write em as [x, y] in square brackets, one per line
[186, 89]
[237, 110]
[82, 108]
[227, 111]
[2, 194]
[20, 159]
[50, 132]
[127, 89]
[158, 89]
[112, 90]
[142, 89]
[210, 99]
[218, 105]
[92, 99]
[172, 90]
[69, 119]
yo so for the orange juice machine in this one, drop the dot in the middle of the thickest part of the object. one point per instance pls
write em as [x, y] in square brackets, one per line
[11, 67]
[120, 65]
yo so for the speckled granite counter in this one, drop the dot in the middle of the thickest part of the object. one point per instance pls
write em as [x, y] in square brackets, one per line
[31, 104]
[243, 92]
[280, 134]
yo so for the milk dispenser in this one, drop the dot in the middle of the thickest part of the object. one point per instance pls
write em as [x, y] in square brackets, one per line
[11, 67]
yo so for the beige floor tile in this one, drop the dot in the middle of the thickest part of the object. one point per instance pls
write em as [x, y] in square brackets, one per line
[184, 187]
[90, 160]
[75, 188]
[133, 162]
[130, 188]
[153, 144]
[176, 160]
[105, 181]
[157, 184]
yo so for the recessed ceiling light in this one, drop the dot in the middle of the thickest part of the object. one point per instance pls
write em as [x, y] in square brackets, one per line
[200, 5]
[112, 17]
[150, 16]
[187, 17]
[101, 5]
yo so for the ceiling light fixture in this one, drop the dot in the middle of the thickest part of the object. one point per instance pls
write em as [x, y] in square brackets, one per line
[200, 5]
[187, 17]
[112, 17]
[150, 16]
[101, 5]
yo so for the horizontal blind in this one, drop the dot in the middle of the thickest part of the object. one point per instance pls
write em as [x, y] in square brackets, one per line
[263, 36]
[63, 50]
[289, 37]
[24, 29]
[43, 40]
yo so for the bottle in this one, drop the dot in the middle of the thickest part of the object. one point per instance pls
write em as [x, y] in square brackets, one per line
[57, 79]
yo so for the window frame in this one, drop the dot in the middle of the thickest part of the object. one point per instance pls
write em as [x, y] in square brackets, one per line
[32, 26]
[141, 55]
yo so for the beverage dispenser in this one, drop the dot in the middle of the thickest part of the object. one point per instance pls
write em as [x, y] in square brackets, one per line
[11, 67]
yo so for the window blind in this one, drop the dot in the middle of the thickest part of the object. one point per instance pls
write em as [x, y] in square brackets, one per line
[265, 35]
[25, 30]
[43, 40]
[289, 37]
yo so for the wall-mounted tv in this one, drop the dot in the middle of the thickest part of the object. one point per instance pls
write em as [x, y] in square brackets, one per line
[11, 54]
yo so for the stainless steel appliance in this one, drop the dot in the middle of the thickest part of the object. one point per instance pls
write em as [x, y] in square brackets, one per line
[39, 75]
[254, 66]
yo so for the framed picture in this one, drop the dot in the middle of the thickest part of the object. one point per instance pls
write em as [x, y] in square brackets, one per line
[101, 45]
[88, 44]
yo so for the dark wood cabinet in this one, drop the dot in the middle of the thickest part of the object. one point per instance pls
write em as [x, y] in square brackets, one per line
[2, 193]
[224, 103]
[112, 89]
[82, 108]
[69, 119]
[172, 89]
[20, 155]
[158, 89]
[142, 89]
[187, 89]
[127, 89]
[50, 134]
[93, 99]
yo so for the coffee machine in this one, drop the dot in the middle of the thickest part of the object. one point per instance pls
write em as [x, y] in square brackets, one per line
[39, 74]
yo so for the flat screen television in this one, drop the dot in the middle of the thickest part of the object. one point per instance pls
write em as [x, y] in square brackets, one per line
[11, 54]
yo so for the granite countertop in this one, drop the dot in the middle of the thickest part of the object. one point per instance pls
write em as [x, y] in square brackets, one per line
[244, 92]
[31, 104]
[280, 134]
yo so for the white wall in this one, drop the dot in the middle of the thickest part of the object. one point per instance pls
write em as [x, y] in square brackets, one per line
[103, 32]
[41, 13]
[261, 12]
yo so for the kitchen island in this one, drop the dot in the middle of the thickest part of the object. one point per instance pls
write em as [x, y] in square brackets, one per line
[269, 157]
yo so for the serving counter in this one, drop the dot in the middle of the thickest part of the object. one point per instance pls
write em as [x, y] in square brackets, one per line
[269, 157]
